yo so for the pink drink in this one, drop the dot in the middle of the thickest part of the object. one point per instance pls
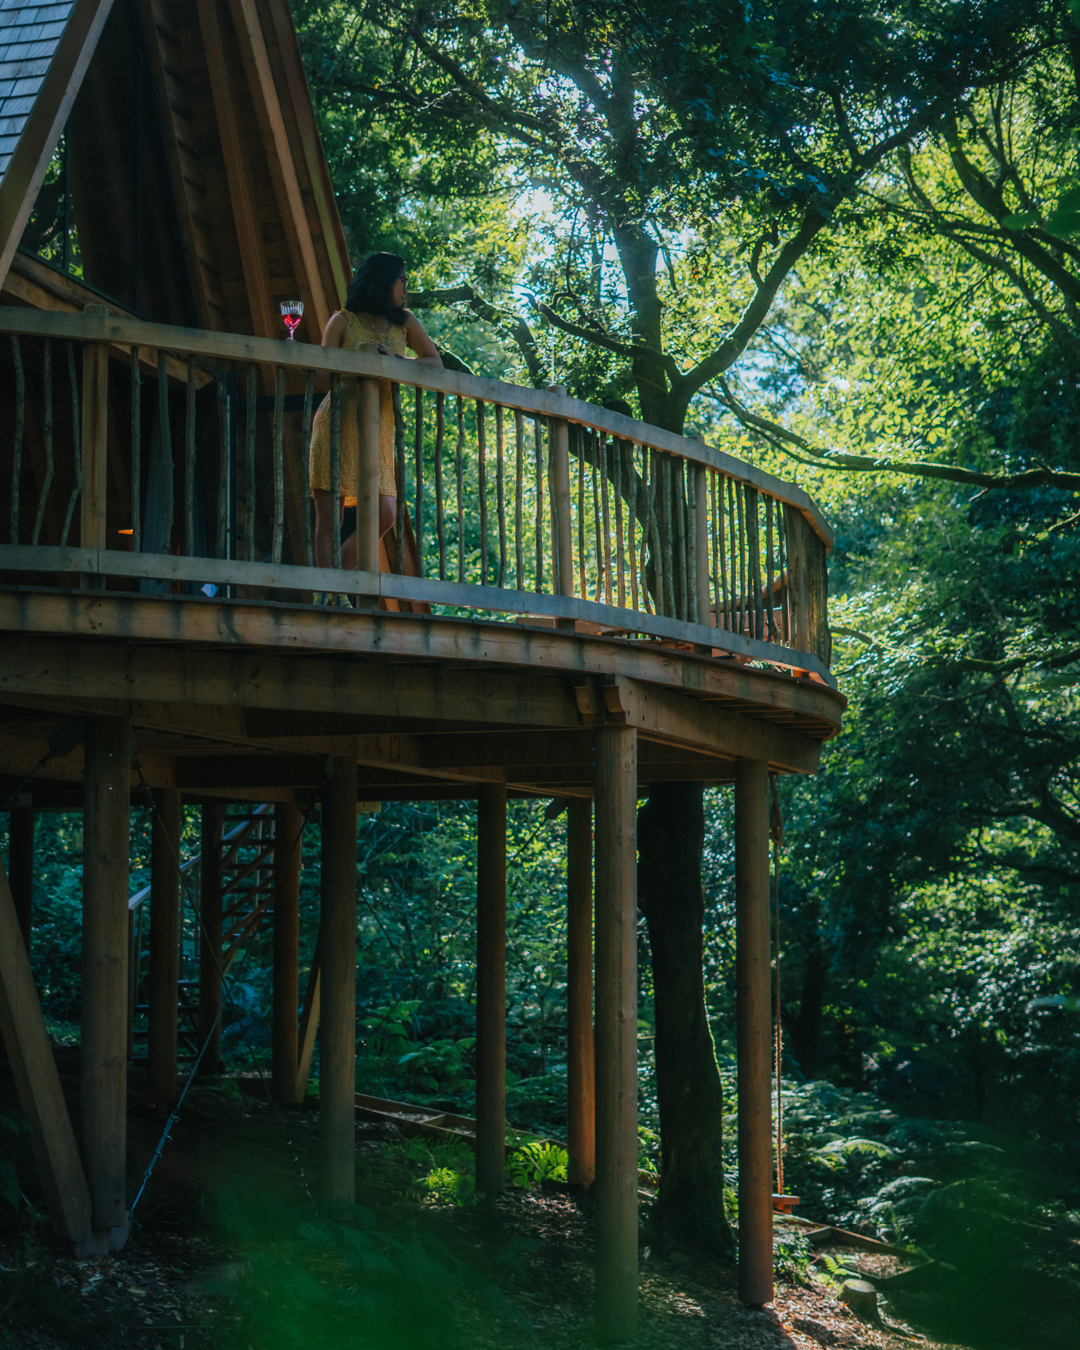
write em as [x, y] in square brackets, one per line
[292, 311]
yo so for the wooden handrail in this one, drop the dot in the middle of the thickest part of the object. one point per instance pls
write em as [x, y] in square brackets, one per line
[96, 328]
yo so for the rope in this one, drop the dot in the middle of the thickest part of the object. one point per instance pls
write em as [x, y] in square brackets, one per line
[776, 834]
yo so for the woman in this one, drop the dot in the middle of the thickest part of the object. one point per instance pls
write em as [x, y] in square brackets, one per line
[374, 312]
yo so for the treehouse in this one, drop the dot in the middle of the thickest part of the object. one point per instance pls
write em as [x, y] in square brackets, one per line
[586, 606]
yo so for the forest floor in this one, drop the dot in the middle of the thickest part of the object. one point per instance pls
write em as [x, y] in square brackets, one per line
[226, 1251]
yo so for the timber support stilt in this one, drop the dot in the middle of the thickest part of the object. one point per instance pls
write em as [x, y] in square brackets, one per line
[37, 1082]
[210, 931]
[288, 827]
[491, 992]
[21, 867]
[164, 947]
[581, 1084]
[616, 1034]
[105, 974]
[754, 1028]
[337, 1033]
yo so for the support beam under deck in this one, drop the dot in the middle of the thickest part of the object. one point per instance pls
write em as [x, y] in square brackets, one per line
[491, 991]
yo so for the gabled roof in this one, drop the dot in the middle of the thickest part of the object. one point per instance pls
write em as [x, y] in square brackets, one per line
[45, 52]
[29, 36]
[235, 184]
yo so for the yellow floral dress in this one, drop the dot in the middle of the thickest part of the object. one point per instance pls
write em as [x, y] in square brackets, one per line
[356, 333]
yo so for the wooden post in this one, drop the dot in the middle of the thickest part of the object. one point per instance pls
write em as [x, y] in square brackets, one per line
[288, 827]
[491, 991]
[616, 1034]
[21, 867]
[701, 544]
[581, 1085]
[95, 433]
[37, 1083]
[752, 988]
[367, 467]
[562, 547]
[104, 969]
[210, 928]
[164, 947]
[337, 1033]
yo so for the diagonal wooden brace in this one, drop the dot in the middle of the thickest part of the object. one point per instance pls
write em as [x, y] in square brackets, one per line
[38, 1083]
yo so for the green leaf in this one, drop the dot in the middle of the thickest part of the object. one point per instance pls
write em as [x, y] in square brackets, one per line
[1022, 220]
[1065, 218]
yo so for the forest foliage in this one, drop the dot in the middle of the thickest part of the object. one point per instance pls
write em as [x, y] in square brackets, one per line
[842, 242]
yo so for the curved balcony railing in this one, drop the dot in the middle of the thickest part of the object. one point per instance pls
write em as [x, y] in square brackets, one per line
[147, 457]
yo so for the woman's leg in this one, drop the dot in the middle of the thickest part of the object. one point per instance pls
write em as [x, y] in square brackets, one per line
[387, 512]
[327, 520]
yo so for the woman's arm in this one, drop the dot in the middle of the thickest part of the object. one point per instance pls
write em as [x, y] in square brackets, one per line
[421, 344]
[336, 327]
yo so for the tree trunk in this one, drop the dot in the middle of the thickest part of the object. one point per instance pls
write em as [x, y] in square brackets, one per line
[689, 1210]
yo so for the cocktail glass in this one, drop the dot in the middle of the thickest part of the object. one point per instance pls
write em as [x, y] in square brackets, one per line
[292, 311]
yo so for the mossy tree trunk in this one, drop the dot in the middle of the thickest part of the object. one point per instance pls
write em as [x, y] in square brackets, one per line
[689, 1210]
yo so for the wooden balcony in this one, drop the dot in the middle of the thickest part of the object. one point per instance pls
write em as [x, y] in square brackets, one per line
[151, 462]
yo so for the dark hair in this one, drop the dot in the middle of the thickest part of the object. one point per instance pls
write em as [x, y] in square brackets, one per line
[370, 291]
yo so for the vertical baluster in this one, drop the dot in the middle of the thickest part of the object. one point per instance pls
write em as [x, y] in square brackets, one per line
[719, 579]
[47, 429]
[189, 460]
[481, 460]
[279, 465]
[781, 548]
[440, 524]
[669, 485]
[579, 440]
[460, 490]
[519, 488]
[224, 405]
[500, 491]
[753, 562]
[744, 595]
[690, 550]
[401, 485]
[631, 522]
[250, 486]
[164, 543]
[592, 440]
[733, 536]
[770, 622]
[418, 482]
[20, 423]
[76, 444]
[335, 467]
[617, 461]
[656, 552]
[538, 445]
[305, 442]
[603, 450]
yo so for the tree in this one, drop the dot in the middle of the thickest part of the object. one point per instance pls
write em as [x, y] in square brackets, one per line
[682, 163]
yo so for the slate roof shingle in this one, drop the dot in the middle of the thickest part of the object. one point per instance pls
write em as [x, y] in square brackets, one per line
[29, 34]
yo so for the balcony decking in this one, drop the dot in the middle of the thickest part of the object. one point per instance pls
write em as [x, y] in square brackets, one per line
[579, 568]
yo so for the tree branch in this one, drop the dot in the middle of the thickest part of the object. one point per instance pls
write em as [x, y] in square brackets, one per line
[783, 439]
[513, 325]
[602, 339]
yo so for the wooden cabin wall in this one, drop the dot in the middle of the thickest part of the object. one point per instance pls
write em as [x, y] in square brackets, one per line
[122, 198]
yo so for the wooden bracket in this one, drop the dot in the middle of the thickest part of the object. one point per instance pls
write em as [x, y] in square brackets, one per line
[616, 706]
[587, 705]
